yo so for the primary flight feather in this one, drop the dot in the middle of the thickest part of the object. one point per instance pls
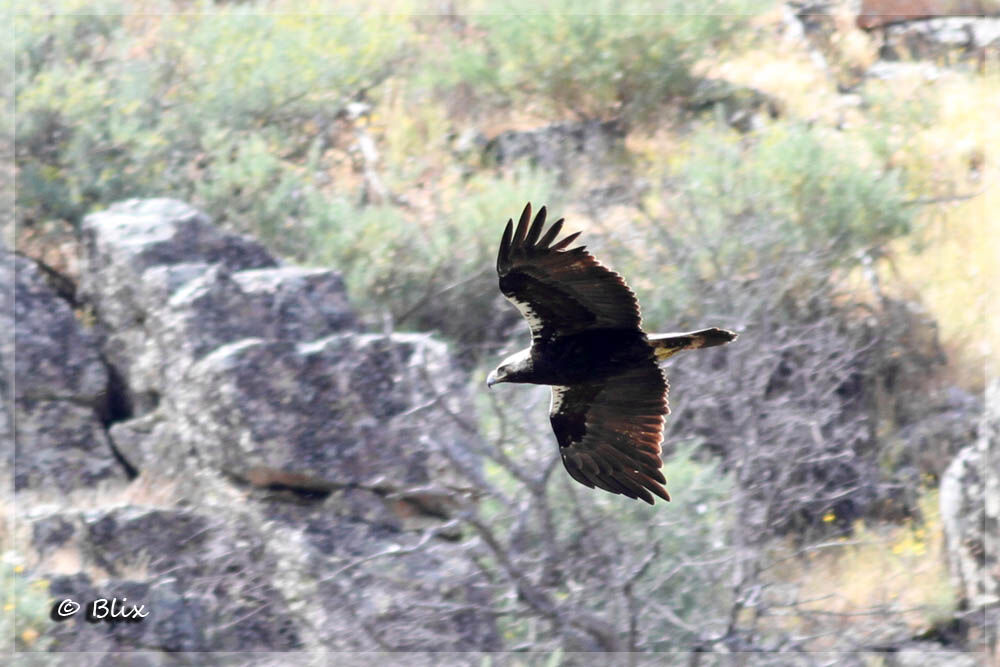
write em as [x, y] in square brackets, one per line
[609, 396]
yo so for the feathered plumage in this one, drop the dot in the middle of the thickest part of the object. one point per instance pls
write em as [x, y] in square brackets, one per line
[609, 396]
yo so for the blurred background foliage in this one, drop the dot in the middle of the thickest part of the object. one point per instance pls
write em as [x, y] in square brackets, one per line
[609, 61]
[368, 141]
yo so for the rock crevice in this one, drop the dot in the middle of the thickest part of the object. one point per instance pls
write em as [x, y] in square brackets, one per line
[222, 380]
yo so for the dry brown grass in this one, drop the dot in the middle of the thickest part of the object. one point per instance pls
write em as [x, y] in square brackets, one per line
[957, 272]
[892, 574]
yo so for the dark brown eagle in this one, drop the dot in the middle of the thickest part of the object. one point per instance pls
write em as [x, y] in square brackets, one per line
[609, 396]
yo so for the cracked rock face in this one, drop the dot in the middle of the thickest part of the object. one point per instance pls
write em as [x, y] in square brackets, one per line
[334, 411]
[255, 372]
[135, 255]
[219, 307]
[56, 359]
[60, 388]
[295, 475]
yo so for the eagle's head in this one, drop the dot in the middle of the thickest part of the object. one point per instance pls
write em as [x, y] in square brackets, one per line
[512, 368]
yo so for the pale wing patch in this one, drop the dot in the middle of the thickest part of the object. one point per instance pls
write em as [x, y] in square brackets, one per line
[528, 313]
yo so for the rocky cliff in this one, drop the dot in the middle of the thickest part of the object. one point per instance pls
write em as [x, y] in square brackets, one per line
[212, 435]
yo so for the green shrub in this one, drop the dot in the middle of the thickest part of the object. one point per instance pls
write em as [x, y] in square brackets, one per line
[26, 606]
[68, 31]
[231, 111]
[789, 200]
[617, 59]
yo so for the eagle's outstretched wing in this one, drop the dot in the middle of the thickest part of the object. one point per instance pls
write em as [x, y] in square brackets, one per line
[559, 290]
[609, 432]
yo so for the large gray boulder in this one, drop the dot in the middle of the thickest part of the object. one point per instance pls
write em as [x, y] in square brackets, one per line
[134, 256]
[168, 288]
[259, 373]
[338, 411]
[220, 307]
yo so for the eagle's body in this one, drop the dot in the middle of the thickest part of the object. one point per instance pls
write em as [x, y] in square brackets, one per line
[584, 357]
[609, 396]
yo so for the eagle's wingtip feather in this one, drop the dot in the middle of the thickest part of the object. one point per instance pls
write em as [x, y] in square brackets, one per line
[522, 227]
[566, 241]
[551, 235]
[536, 229]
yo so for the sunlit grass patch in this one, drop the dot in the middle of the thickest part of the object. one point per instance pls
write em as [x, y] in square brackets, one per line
[890, 573]
[953, 265]
[786, 72]
[956, 275]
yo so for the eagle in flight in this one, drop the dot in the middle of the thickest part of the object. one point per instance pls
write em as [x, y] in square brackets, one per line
[609, 396]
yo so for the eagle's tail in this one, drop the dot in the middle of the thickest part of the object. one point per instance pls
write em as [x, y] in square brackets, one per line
[667, 345]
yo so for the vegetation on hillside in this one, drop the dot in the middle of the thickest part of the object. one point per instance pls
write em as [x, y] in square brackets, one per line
[362, 141]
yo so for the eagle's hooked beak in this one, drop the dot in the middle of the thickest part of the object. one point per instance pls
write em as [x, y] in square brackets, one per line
[491, 379]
